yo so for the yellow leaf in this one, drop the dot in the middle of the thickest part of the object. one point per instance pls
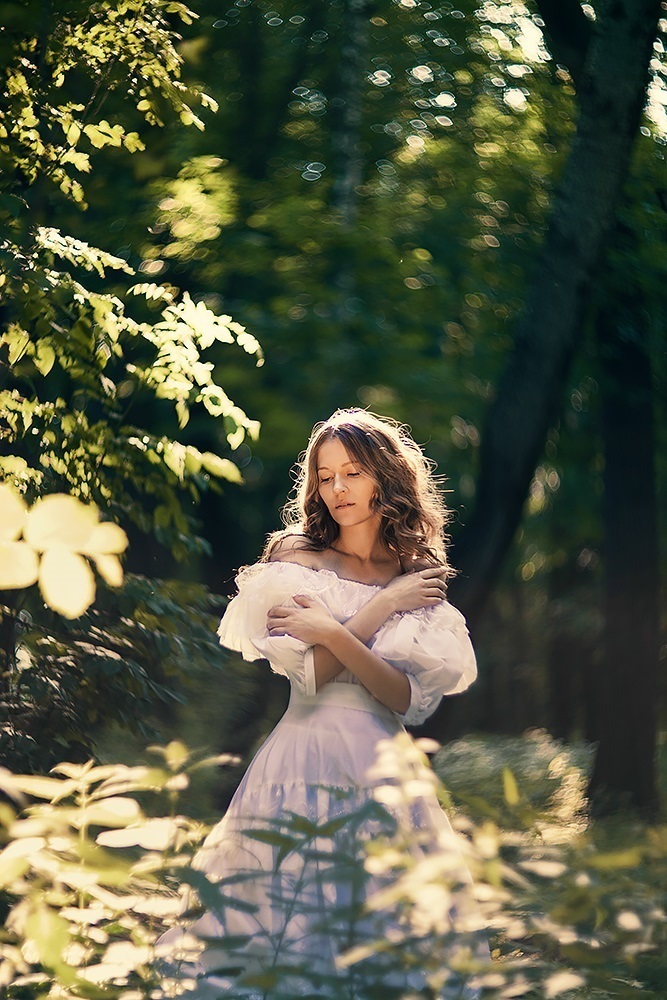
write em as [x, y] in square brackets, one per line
[49, 933]
[106, 538]
[73, 134]
[12, 513]
[110, 569]
[66, 581]
[116, 811]
[60, 520]
[176, 754]
[221, 467]
[39, 787]
[153, 835]
[510, 788]
[19, 565]
[95, 136]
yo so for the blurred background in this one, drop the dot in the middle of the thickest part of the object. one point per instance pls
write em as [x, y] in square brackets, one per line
[456, 216]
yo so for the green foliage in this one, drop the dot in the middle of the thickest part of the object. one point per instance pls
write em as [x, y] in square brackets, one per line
[126, 662]
[78, 359]
[96, 868]
[81, 916]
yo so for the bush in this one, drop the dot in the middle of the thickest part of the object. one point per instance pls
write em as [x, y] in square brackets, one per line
[93, 873]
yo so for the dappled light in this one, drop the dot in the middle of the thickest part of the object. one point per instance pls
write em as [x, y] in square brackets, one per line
[219, 225]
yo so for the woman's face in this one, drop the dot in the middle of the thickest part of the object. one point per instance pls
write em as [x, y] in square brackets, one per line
[344, 486]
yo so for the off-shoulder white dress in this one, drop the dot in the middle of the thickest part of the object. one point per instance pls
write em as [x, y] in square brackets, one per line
[314, 766]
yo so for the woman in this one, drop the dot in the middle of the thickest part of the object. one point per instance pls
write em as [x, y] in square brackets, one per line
[348, 602]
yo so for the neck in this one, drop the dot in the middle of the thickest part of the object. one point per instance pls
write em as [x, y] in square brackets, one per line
[360, 542]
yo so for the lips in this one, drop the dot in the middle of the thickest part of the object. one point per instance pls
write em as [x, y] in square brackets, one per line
[339, 506]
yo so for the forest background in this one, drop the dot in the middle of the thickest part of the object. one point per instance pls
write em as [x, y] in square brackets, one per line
[455, 216]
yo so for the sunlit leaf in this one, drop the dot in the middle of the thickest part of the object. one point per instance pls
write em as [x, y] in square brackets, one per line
[560, 982]
[60, 520]
[546, 869]
[49, 934]
[628, 858]
[13, 513]
[221, 467]
[44, 358]
[39, 787]
[19, 565]
[66, 581]
[154, 835]
[510, 788]
[176, 754]
[106, 538]
[110, 569]
[114, 811]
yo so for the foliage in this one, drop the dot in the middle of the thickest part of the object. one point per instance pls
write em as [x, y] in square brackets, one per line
[90, 879]
[98, 384]
[128, 661]
[78, 359]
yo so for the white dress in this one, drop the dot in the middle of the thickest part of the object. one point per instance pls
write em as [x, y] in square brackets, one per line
[315, 768]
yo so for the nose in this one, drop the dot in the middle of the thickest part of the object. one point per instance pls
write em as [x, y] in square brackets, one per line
[338, 485]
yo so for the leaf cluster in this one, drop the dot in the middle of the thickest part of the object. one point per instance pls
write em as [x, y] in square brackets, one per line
[126, 662]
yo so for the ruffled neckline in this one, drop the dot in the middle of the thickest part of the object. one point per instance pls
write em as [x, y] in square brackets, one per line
[322, 571]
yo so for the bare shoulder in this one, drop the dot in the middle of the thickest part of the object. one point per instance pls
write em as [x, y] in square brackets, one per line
[293, 548]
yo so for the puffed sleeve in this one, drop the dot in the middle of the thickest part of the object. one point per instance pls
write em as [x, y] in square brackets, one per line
[243, 626]
[432, 646]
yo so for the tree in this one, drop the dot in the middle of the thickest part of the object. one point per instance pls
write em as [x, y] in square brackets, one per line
[609, 114]
[611, 98]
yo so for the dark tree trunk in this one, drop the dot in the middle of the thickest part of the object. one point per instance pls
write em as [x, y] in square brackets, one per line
[624, 772]
[611, 90]
[562, 655]
[611, 97]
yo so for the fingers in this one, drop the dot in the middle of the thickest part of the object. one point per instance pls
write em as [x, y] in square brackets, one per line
[432, 571]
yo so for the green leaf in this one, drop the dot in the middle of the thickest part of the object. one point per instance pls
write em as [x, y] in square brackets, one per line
[273, 838]
[44, 358]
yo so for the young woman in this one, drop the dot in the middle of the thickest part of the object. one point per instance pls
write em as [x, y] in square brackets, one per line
[348, 602]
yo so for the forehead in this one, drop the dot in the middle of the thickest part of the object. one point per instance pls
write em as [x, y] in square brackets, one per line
[332, 454]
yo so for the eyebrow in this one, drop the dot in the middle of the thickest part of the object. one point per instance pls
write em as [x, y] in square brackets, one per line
[321, 467]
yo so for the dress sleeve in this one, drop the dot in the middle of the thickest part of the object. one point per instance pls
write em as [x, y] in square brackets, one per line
[432, 646]
[243, 626]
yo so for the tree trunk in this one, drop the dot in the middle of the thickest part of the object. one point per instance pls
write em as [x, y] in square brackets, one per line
[348, 161]
[347, 155]
[625, 772]
[612, 94]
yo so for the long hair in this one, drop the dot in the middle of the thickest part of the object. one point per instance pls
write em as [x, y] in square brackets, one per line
[407, 493]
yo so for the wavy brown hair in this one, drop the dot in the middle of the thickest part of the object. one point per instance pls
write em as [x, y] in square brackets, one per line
[407, 494]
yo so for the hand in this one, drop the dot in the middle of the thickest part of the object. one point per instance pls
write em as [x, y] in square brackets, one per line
[420, 589]
[310, 622]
